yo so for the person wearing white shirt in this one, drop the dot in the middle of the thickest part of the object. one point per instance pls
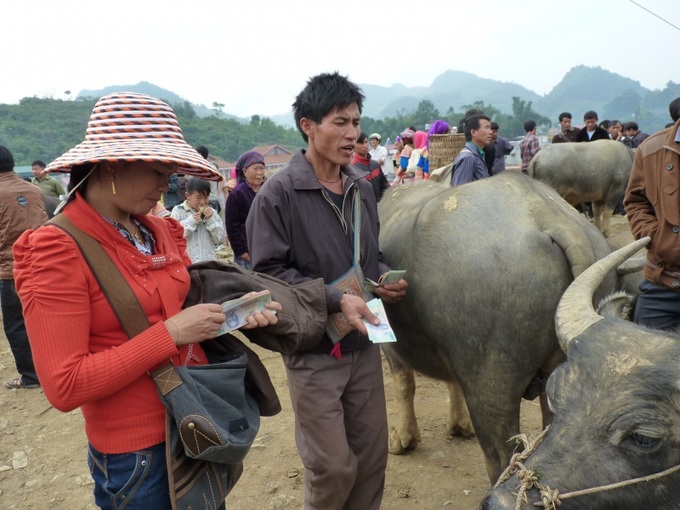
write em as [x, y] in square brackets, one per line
[379, 153]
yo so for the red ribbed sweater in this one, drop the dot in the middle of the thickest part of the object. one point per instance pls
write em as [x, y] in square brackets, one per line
[82, 355]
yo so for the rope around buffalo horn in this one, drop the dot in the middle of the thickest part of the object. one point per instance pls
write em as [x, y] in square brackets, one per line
[551, 498]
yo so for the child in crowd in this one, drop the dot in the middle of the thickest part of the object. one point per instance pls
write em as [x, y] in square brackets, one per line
[203, 227]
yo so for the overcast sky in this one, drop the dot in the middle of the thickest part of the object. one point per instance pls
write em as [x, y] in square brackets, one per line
[255, 56]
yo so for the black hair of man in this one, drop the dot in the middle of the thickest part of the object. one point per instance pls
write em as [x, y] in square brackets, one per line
[633, 125]
[203, 151]
[413, 128]
[473, 123]
[674, 109]
[324, 93]
[40, 163]
[362, 137]
[529, 125]
[6, 160]
[564, 115]
[590, 114]
[605, 124]
[196, 184]
[615, 122]
[466, 115]
[494, 126]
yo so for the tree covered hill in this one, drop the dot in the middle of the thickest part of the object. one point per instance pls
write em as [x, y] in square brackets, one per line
[44, 128]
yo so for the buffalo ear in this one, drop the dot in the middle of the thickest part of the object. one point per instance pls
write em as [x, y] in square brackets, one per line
[620, 304]
[575, 312]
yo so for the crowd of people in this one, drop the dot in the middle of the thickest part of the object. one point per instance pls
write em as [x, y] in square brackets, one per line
[156, 205]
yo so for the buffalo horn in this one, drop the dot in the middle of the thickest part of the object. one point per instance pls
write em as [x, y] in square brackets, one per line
[575, 312]
[632, 265]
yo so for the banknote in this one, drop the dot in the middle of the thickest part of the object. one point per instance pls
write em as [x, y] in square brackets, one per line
[337, 326]
[392, 276]
[237, 310]
[382, 333]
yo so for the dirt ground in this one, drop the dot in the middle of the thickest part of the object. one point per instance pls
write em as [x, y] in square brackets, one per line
[440, 473]
[43, 452]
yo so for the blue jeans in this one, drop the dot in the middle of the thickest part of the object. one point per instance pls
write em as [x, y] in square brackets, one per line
[15, 331]
[657, 307]
[130, 481]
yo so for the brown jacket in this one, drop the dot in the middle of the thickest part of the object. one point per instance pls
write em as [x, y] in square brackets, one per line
[22, 207]
[653, 204]
[568, 136]
[302, 320]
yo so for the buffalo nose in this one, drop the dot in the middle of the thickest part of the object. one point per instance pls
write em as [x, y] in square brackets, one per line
[488, 504]
[497, 501]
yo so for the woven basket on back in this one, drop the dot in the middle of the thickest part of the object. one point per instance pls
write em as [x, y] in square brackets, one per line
[445, 148]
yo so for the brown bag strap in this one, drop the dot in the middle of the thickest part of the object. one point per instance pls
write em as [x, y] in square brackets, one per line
[117, 291]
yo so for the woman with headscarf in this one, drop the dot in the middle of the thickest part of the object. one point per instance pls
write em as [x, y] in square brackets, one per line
[82, 353]
[250, 173]
[419, 144]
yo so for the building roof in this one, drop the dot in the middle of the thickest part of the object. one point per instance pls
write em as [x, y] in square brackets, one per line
[272, 150]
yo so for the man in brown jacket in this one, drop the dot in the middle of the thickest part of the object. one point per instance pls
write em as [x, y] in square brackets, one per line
[22, 207]
[653, 206]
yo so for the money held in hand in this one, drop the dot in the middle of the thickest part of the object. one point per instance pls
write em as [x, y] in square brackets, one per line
[392, 276]
[382, 333]
[238, 310]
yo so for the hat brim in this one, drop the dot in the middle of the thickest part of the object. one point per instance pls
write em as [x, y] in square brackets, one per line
[178, 153]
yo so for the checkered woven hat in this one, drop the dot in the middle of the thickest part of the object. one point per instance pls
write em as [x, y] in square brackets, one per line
[127, 127]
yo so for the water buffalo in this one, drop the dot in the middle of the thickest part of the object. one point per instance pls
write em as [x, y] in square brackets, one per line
[614, 441]
[594, 172]
[487, 263]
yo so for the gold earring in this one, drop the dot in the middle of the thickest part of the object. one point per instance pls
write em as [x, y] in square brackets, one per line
[113, 184]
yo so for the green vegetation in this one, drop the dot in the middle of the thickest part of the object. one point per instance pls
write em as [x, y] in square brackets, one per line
[45, 128]
[510, 126]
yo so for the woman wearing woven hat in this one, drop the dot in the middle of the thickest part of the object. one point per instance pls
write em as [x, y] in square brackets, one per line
[250, 172]
[82, 353]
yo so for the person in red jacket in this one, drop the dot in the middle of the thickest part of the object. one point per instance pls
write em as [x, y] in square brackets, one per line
[374, 174]
[82, 354]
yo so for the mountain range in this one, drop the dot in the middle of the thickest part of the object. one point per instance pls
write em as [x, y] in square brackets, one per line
[583, 88]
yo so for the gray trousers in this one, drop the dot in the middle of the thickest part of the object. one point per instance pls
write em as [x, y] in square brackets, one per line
[340, 427]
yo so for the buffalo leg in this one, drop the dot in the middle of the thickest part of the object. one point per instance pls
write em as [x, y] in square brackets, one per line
[406, 435]
[459, 423]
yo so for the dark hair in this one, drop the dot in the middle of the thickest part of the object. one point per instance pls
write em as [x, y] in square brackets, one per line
[605, 124]
[471, 112]
[529, 125]
[473, 123]
[590, 114]
[563, 115]
[39, 163]
[674, 109]
[6, 159]
[196, 184]
[203, 151]
[494, 126]
[413, 128]
[632, 125]
[362, 137]
[322, 94]
[615, 122]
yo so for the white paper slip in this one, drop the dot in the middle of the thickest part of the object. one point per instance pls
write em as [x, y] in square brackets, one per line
[382, 333]
[237, 310]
